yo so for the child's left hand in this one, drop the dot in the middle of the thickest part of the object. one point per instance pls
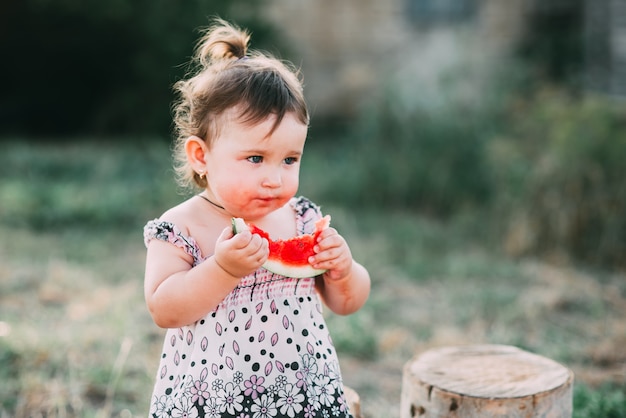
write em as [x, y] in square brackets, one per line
[333, 254]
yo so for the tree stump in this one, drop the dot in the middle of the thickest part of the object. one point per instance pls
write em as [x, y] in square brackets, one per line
[354, 401]
[485, 381]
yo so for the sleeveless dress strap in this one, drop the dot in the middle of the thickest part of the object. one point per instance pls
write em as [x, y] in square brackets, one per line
[307, 213]
[168, 232]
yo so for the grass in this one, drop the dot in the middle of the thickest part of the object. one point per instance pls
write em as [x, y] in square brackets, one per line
[77, 341]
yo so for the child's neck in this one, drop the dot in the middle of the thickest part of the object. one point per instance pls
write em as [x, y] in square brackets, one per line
[217, 208]
[211, 202]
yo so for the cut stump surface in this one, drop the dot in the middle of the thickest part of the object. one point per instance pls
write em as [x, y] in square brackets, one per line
[485, 381]
[354, 402]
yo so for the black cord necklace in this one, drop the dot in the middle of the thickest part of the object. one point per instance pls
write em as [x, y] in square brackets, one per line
[211, 202]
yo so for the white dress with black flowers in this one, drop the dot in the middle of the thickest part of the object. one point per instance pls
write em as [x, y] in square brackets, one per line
[264, 352]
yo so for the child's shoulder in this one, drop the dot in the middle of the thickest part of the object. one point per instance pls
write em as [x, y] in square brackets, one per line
[181, 215]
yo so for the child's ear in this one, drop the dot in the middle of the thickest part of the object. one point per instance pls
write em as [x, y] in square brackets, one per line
[196, 150]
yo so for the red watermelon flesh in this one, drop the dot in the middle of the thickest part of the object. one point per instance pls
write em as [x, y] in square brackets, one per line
[288, 257]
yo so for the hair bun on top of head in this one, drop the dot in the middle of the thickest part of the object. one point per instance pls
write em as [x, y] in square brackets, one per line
[221, 79]
[222, 40]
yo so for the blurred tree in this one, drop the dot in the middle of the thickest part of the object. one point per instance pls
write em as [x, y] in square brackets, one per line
[75, 67]
[553, 43]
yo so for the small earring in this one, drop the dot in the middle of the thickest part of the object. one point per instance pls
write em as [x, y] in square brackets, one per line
[202, 174]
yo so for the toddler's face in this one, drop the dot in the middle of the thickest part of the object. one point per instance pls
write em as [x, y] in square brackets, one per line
[251, 172]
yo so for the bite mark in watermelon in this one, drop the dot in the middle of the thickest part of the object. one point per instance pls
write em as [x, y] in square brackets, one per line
[288, 257]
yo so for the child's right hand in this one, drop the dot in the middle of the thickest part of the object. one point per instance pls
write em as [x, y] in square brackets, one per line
[240, 254]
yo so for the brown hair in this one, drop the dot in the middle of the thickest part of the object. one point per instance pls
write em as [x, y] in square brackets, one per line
[228, 76]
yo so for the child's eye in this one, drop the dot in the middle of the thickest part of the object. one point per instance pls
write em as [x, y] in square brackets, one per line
[255, 159]
[290, 160]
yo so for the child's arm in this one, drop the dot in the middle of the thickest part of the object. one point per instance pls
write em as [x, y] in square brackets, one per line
[177, 294]
[346, 285]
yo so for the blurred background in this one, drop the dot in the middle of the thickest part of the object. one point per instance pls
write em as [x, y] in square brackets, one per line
[473, 151]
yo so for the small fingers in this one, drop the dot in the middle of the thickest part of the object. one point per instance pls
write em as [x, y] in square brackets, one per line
[262, 257]
[242, 239]
[257, 242]
[329, 242]
[227, 233]
[250, 246]
[326, 255]
[258, 249]
[326, 233]
[331, 252]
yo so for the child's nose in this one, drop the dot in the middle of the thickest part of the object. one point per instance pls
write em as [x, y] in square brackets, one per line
[272, 179]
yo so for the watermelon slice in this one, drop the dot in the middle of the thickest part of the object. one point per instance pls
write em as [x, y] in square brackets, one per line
[289, 257]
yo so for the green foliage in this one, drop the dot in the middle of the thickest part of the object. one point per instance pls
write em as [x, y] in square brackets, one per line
[553, 43]
[606, 402]
[77, 67]
[9, 376]
[408, 156]
[46, 190]
[559, 171]
[353, 336]
[543, 171]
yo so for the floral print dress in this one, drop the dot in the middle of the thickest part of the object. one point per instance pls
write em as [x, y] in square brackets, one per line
[264, 352]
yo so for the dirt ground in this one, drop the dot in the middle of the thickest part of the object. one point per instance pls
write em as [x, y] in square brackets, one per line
[562, 314]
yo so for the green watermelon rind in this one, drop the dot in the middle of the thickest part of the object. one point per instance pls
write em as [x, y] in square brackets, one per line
[239, 225]
[299, 272]
[276, 266]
